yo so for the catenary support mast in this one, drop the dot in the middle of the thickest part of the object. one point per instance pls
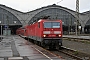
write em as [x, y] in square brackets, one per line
[77, 16]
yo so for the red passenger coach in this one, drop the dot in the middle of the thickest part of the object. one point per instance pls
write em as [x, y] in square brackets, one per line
[20, 31]
[48, 33]
[23, 31]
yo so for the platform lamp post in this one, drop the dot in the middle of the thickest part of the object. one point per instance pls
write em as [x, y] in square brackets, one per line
[1, 29]
[15, 27]
[7, 25]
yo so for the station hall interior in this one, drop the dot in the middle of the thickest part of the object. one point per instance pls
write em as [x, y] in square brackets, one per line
[12, 19]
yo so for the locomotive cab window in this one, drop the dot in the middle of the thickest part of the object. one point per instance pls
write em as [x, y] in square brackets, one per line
[51, 24]
[38, 24]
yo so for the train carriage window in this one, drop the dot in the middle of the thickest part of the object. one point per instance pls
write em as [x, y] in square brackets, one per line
[38, 24]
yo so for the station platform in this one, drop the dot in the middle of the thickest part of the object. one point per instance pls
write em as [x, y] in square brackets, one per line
[78, 46]
[77, 37]
[17, 48]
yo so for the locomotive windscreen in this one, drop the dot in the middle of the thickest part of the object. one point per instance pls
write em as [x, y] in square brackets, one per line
[51, 24]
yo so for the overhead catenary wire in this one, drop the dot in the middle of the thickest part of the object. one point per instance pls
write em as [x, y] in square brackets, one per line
[59, 1]
[43, 2]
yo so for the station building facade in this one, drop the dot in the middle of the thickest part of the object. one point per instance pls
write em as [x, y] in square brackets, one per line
[11, 19]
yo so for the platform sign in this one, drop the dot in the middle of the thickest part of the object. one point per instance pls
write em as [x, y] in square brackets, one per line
[5, 26]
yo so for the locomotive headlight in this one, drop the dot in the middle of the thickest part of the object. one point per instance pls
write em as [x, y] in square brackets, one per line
[44, 35]
[59, 35]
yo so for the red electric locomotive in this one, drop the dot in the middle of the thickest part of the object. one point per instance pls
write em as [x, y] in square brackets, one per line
[47, 33]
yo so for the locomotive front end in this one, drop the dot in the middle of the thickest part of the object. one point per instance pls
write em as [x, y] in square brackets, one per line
[52, 34]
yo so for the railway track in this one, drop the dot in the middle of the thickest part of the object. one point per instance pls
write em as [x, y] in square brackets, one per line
[71, 54]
